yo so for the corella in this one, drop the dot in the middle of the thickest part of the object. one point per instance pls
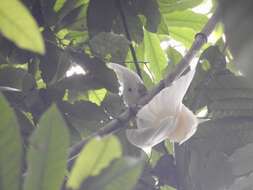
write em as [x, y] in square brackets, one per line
[164, 117]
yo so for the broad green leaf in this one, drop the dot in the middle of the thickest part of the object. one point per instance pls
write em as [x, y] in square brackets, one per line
[123, 174]
[174, 56]
[48, 152]
[48, 13]
[154, 157]
[75, 18]
[94, 157]
[16, 78]
[76, 36]
[103, 16]
[25, 122]
[49, 62]
[148, 78]
[64, 64]
[140, 52]
[150, 9]
[115, 51]
[58, 5]
[83, 110]
[167, 6]
[83, 116]
[169, 146]
[183, 35]
[163, 28]
[97, 96]
[106, 77]
[11, 149]
[187, 19]
[154, 55]
[18, 25]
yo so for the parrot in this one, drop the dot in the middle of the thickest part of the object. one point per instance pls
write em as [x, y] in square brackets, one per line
[132, 85]
[164, 117]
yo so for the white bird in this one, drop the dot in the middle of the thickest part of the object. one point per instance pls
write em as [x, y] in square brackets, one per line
[132, 85]
[164, 117]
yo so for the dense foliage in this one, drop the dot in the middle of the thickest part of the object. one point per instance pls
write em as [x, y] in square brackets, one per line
[55, 90]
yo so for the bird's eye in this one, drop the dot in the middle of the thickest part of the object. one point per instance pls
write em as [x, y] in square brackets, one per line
[129, 89]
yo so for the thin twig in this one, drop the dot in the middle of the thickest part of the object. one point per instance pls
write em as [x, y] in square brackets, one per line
[123, 17]
[128, 114]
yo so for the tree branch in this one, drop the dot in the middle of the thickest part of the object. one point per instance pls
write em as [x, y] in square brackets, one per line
[119, 123]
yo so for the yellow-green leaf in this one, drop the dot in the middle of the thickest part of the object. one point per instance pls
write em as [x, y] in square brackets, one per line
[18, 25]
[122, 174]
[94, 157]
[183, 35]
[186, 19]
[97, 96]
[11, 148]
[154, 55]
[48, 152]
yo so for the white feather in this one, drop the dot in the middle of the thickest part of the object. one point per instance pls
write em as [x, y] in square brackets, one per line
[165, 117]
[186, 126]
[150, 136]
[133, 87]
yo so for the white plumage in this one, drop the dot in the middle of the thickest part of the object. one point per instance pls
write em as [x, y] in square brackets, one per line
[133, 87]
[165, 116]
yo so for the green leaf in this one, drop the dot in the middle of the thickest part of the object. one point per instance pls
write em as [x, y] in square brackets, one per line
[50, 61]
[58, 5]
[84, 116]
[154, 55]
[148, 79]
[150, 9]
[155, 156]
[123, 174]
[106, 77]
[76, 36]
[100, 16]
[163, 28]
[17, 24]
[97, 96]
[63, 65]
[94, 157]
[48, 14]
[16, 78]
[183, 35]
[11, 149]
[75, 19]
[48, 152]
[174, 56]
[187, 19]
[169, 146]
[117, 48]
[103, 16]
[167, 6]
[26, 125]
